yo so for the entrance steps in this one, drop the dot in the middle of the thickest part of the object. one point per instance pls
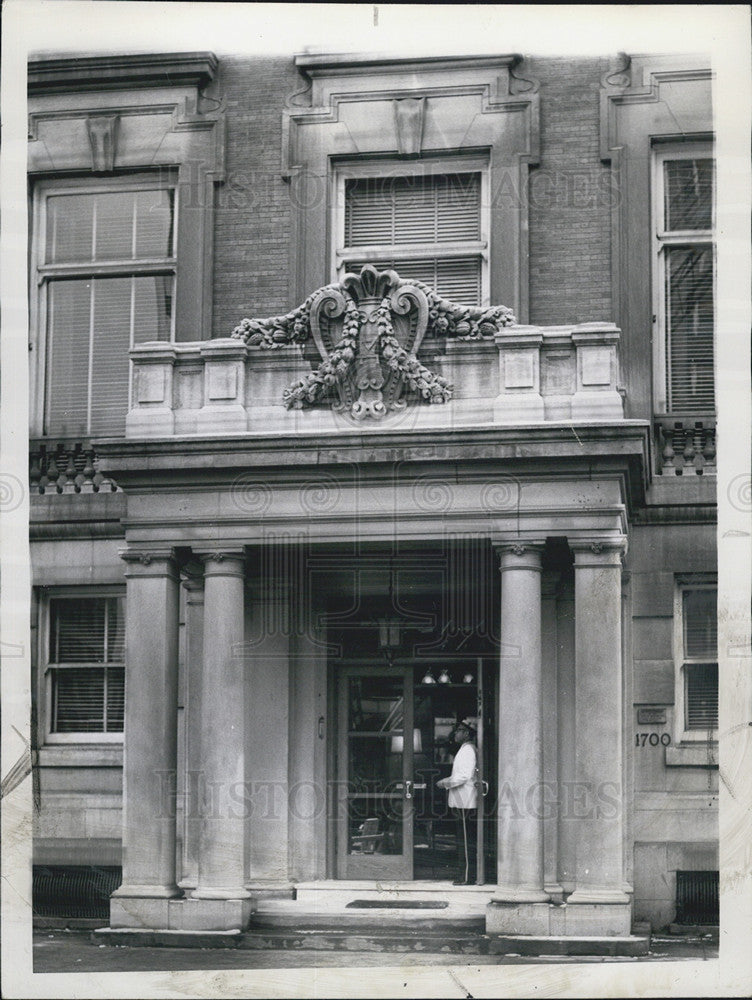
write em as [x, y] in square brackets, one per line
[366, 916]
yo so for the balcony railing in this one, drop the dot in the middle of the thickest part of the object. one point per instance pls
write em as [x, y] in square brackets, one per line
[685, 444]
[64, 466]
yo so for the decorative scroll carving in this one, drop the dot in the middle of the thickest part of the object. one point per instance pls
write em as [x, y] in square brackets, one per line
[368, 329]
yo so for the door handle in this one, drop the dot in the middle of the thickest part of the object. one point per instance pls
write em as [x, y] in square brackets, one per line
[419, 788]
[408, 789]
[484, 787]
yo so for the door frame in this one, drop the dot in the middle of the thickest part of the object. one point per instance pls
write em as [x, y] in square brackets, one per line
[398, 867]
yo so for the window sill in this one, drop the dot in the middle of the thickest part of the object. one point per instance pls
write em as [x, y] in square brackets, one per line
[81, 755]
[698, 755]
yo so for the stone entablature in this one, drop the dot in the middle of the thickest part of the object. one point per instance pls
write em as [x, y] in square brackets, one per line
[376, 349]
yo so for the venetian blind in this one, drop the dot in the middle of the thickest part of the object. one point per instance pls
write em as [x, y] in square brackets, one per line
[86, 651]
[701, 695]
[92, 322]
[387, 213]
[688, 208]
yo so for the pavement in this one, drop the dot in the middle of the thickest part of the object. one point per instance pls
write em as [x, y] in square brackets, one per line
[75, 951]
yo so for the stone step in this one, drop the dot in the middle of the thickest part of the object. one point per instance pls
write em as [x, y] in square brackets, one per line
[393, 940]
[396, 921]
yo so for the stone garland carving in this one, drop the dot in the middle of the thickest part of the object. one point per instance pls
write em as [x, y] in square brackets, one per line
[368, 329]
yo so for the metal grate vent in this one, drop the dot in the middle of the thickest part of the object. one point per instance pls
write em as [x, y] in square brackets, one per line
[697, 898]
[74, 890]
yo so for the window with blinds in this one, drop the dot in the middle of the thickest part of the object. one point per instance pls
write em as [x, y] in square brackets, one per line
[426, 227]
[109, 265]
[686, 265]
[86, 664]
[700, 641]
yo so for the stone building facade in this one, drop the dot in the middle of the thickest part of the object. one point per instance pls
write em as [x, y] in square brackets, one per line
[369, 395]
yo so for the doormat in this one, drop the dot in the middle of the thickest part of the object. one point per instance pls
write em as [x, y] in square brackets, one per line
[406, 904]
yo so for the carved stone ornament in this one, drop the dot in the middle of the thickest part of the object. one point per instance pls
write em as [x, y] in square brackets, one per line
[368, 329]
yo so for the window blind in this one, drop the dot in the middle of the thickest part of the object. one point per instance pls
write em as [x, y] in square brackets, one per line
[701, 695]
[405, 210]
[455, 278]
[689, 295]
[92, 322]
[690, 328]
[688, 194]
[700, 619]
[86, 651]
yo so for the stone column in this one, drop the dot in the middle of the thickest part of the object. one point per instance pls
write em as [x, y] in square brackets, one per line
[598, 793]
[520, 806]
[193, 582]
[221, 862]
[150, 741]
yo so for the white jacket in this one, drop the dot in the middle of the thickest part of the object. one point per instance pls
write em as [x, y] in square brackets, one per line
[463, 793]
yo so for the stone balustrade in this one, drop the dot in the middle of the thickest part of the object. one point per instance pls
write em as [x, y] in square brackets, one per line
[63, 466]
[685, 444]
[517, 375]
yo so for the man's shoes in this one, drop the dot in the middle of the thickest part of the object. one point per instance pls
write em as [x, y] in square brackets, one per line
[460, 881]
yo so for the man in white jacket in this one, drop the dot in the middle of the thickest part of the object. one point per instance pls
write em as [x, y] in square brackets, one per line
[463, 801]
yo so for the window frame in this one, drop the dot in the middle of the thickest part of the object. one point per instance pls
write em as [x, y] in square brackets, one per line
[48, 669]
[662, 153]
[43, 274]
[343, 171]
[681, 661]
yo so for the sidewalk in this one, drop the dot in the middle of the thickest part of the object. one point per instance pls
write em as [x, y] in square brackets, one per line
[74, 951]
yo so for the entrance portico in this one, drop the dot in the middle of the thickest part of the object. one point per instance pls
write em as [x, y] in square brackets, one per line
[265, 593]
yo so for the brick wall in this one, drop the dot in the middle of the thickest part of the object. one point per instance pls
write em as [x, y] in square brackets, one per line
[569, 196]
[252, 244]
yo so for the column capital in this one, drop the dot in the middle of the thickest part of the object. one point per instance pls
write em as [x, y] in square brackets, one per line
[606, 551]
[519, 554]
[150, 562]
[222, 562]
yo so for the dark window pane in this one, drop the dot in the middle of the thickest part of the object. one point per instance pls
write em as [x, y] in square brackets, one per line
[68, 333]
[70, 228]
[700, 624]
[688, 194]
[110, 364]
[155, 212]
[77, 630]
[115, 629]
[115, 699]
[114, 225]
[78, 700]
[689, 304]
[701, 680]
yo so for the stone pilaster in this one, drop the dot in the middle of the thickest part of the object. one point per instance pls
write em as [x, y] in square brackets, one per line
[599, 789]
[520, 816]
[150, 741]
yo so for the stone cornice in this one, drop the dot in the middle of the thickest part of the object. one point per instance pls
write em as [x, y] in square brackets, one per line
[120, 72]
[315, 64]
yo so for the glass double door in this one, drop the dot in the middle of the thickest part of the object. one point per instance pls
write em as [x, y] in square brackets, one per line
[395, 728]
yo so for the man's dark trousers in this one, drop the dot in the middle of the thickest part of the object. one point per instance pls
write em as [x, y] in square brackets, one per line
[466, 831]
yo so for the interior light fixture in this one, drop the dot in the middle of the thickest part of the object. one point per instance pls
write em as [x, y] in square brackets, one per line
[428, 678]
[444, 677]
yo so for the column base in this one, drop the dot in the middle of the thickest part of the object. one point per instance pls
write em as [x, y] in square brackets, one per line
[605, 896]
[210, 892]
[515, 894]
[128, 891]
[144, 914]
[562, 920]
